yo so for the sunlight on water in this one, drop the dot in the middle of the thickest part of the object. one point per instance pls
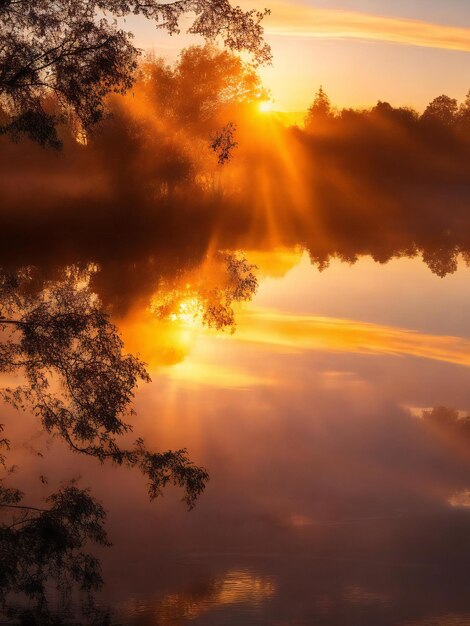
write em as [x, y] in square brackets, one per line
[305, 418]
[239, 590]
[234, 351]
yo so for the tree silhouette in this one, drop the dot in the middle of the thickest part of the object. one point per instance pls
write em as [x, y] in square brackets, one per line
[320, 110]
[463, 115]
[211, 299]
[75, 51]
[401, 115]
[43, 544]
[39, 545]
[223, 143]
[79, 382]
[204, 83]
[442, 110]
[447, 420]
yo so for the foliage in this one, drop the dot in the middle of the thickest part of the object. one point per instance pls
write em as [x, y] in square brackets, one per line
[463, 114]
[442, 110]
[240, 286]
[211, 299]
[42, 544]
[223, 143]
[203, 84]
[168, 133]
[79, 381]
[75, 52]
[320, 110]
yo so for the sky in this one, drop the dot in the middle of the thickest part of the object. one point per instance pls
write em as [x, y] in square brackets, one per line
[360, 51]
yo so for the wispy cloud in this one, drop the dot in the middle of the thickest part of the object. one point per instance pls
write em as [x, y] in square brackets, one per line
[298, 333]
[300, 20]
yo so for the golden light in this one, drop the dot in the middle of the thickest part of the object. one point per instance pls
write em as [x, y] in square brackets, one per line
[266, 106]
[188, 312]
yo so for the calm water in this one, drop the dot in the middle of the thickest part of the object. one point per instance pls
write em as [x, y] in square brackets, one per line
[298, 589]
[334, 499]
[334, 421]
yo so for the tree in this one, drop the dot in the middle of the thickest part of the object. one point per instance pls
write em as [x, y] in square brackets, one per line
[80, 383]
[38, 545]
[463, 115]
[210, 300]
[189, 107]
[320, 110]
[223, 143]
[199, 88]
[75, 51]
[401, 115]
[442, 110]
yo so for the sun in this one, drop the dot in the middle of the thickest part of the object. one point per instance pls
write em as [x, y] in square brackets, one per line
[266, 106]
[188, 312]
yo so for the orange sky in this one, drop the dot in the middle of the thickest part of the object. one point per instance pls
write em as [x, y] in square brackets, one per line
[360, 51]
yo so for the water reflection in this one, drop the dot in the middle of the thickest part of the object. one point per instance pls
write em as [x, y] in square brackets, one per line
[331, 474]
[335, 488]
[332, 422]
[237, 591]
[323, 591]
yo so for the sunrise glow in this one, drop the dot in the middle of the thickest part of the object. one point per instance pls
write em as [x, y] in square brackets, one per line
[188, 312]
[265, 107]
[235, 312]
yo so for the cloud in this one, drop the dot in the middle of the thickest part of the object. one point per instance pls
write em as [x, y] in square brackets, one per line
[307, 332]
[298, 20]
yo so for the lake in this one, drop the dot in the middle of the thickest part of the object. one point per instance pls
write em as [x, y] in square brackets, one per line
[339, 487]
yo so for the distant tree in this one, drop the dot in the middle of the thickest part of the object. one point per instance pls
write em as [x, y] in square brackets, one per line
[442, 260]
[401, 115]
[320, 110]
[75, 51]
[463, 114]
[447, 421]
[350, 115]
[442, 110]
[383, 109]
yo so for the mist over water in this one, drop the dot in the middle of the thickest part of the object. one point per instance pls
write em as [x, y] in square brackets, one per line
[332, 499]
[303, 312]
[337, 494]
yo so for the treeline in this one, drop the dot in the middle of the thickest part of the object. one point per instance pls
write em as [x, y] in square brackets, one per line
[443, 112]
[146, 196]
